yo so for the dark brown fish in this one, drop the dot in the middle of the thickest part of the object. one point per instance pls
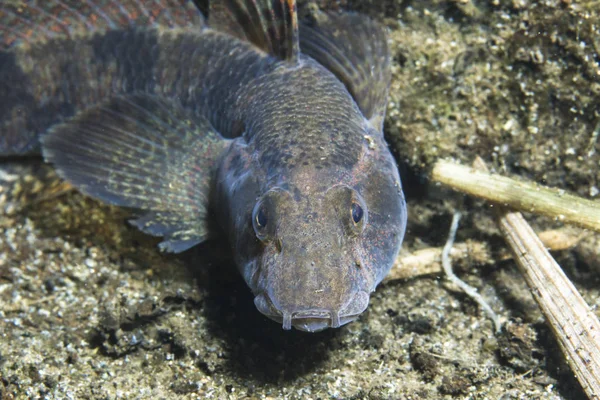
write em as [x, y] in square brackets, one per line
[271, 125]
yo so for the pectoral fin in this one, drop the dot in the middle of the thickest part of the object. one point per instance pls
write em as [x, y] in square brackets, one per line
[271, 25]
[147, 153]
[354, 48]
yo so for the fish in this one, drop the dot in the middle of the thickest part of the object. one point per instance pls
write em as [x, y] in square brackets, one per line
[248, 124]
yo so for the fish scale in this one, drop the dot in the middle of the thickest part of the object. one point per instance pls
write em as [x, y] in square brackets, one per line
[256, 129]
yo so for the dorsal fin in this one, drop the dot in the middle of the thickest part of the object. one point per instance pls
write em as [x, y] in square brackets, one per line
[271, 25]
[354, 48]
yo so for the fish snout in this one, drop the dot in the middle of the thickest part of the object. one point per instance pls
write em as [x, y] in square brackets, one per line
[312, 319]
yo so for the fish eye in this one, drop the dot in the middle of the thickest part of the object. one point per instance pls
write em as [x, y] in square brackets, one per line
[265, 214]
[261, 218]
[351, 208]
[357, 213]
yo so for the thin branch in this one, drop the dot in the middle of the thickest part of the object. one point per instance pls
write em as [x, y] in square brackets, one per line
[574, 324]
[520, 195]
[468, 289]
[428, 261]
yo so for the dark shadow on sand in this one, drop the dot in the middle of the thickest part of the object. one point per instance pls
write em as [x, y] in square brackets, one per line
[257, 348]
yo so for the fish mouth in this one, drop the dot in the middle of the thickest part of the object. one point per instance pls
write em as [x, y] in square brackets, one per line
[313, 319]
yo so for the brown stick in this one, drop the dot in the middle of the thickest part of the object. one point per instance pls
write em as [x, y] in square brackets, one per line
[429, 261]
[575, 326]
[520, 195]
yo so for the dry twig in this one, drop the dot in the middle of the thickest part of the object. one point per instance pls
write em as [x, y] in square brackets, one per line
[468, 289]
[429, 261]
[520, 195]
[575, 326]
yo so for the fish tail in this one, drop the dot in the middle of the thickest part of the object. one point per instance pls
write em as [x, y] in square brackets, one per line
[30, 21]
[40, 42]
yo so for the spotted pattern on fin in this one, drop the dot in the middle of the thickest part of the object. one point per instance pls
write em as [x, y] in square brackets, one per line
[147, 153]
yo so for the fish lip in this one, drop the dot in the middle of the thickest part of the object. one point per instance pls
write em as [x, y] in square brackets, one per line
[263, 303]
[313, 320]
[312, 314]
[356, 305]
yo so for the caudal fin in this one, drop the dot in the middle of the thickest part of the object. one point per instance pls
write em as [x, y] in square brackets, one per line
[30, 21]
[35, 91]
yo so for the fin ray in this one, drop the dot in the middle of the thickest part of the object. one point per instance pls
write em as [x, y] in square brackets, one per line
[354, 48]
[271, 25]
[92, 170]
[143, 152]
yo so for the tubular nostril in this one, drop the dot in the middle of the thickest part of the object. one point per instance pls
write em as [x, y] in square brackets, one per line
[287, 321]
[335, 319]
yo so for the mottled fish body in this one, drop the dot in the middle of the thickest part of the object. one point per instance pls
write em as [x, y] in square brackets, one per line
[272, 126]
